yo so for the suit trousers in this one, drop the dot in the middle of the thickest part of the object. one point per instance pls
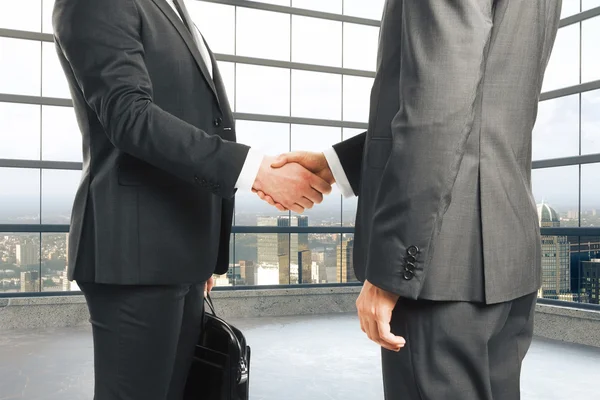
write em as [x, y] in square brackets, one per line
[144, 339]
[458, 350]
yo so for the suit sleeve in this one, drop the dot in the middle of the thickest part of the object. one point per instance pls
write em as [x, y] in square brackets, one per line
[101, 42]
[443, 62]
[350, 154]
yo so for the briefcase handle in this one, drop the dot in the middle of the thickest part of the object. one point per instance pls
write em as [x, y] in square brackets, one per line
[209, 302]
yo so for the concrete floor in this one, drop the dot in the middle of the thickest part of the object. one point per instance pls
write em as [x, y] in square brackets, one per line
[294, 358]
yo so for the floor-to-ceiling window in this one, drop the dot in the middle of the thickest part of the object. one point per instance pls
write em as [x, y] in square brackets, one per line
[298, 73]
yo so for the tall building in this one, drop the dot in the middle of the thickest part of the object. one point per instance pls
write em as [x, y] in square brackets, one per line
[30, 281]
[27, 254]
[266, 243]
[289, 247]
[283, 249]
[591, 280]
[248, 272]
[332, 272]
[556, 259]
[345, 268]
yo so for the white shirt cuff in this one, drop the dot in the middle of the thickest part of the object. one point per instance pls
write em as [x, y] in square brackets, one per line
[249, 170]
[338, 172]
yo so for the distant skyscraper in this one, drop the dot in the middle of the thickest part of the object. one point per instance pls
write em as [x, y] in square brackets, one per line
[248, 272]
[556, 260]
[289, 247]
[30, 281]
[267, 243]
[331, 264]
[345, 268]
[591, 280]
[27, 254]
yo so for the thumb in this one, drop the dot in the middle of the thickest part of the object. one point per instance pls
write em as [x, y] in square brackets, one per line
[280, 161]
[287, 158]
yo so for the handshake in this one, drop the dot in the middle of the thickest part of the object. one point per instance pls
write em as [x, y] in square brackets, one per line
[294, 181]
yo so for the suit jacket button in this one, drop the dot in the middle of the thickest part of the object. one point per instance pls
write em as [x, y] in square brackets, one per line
[218, 121]
[408, 275]
[412, 251]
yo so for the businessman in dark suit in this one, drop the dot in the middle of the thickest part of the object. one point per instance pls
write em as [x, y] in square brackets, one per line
[447, 237]
[152, 217]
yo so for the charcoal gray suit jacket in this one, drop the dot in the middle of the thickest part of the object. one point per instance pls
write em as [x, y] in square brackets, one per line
[160, 162]
[445, 208]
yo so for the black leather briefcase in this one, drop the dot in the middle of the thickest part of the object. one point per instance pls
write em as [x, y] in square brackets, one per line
[221, 366]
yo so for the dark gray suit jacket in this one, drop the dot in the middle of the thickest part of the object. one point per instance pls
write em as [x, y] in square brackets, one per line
[160, 162]
[445, 209]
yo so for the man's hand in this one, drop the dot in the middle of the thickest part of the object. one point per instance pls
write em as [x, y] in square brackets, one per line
[291, 186]
[375, 307]
[314, 162]
[209, 285]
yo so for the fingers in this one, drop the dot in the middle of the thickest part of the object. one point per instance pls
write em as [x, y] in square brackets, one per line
[386, 338]
[314, 196]
[305, 203]
[296, 208]
[294, 156]
[269, 200]
[320, 185]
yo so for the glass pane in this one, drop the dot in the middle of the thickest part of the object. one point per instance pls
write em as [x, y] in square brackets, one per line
[19, 262]
[227, 71]
[271, 139]
[316, 41]
[54, 263]
[47, 7]
[20, 131]
[316, 95]
[263, 257]
[23, 15]
[357, 96]
[325, 253]
[58, 192]
[556, 131]
[589, 4]
[262, 90]
[570, 7]
[558, 188]
[271, 41]
[372, 9]
[217, 24]
[590, 122]
[317, 138]
[54, 81]
[563, 68]
[331, 6]
[61, 137]
[349, 204]
[590, 50]
[590, 195]
[585, 269]
[20, 196]
[360, 46]
[20, 66]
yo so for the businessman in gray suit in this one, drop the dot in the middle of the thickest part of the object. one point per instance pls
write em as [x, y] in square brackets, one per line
[447, 238]
[152, 216]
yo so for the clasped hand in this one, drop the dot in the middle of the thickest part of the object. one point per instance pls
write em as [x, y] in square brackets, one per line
[295, 181]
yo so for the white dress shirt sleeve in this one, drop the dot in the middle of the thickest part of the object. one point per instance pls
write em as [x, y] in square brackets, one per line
[249, 170]
[338, 173]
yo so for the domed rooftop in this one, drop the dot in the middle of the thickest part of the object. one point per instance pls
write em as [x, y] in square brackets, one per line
[547, 215]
